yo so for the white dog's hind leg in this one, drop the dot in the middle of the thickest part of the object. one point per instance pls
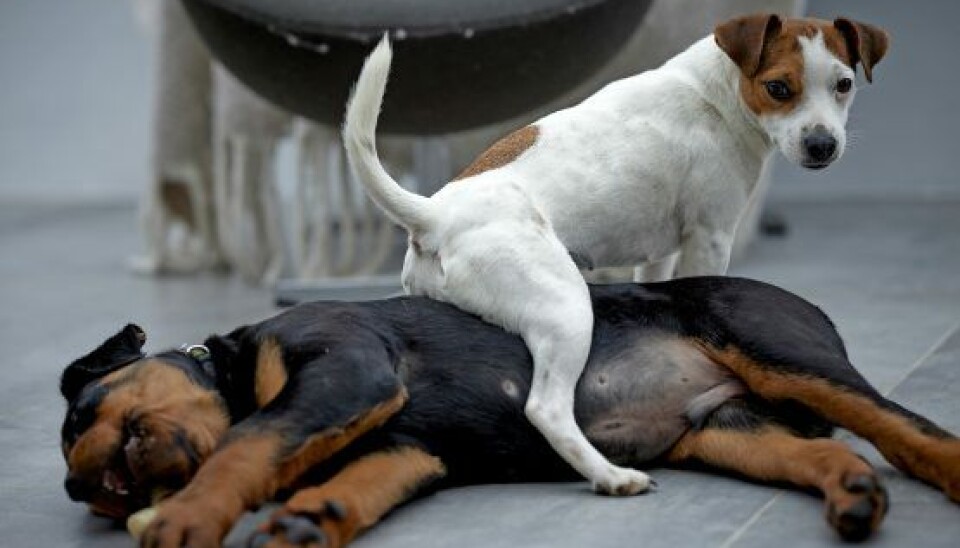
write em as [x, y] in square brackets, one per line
[559, 341]
[527, 282]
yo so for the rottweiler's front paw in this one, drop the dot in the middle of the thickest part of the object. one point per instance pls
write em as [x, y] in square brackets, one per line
[314, 528]
[182, 524]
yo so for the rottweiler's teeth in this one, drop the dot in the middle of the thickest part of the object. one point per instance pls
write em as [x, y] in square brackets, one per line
[113, 483]
[132, 443]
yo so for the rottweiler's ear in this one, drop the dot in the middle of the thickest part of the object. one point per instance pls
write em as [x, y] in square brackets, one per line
[222, 348]
[867, 44]
[743, 39]
[224, 351]
[116, 352]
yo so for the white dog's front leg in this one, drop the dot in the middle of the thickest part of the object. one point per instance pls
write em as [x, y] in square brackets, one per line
[705, 253]
[657, 271]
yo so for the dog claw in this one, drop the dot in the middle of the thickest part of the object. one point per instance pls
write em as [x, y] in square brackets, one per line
[297, 530]
[259, 540]
[305, 535]
[860, 484]
[855, 523]
[638, 483]
[335, 510]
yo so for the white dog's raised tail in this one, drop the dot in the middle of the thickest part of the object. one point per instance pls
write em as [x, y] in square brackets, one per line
[407, 209]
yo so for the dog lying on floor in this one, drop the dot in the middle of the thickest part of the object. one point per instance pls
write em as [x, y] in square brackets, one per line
[356, 407]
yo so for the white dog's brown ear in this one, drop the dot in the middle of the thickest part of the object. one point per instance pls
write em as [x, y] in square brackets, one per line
[867, 44]
[743, 38]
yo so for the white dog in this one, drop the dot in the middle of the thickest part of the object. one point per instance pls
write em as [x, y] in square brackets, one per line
[659, 163]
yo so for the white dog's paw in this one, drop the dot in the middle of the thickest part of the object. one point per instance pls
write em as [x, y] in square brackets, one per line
[623, 482]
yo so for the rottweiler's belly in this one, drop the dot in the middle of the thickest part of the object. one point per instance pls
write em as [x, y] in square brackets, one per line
[636, 399]
[638, 395]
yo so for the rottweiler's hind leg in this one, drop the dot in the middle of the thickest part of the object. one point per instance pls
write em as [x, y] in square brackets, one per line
[855, 500]
[829, 385]
[332, 514]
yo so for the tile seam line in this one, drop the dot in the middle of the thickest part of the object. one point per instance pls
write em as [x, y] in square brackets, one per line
[927, 354]
[736, 535]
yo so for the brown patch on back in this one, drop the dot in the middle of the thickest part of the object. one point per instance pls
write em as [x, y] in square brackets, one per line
[931, 456]
[271, 374]
[502, 152]
[364, 491]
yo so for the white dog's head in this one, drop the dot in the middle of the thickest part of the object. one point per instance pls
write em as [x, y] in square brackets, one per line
[797, 77]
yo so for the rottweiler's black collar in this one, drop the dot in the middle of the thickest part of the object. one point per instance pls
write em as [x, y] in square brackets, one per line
[196, 361]
[201, 354]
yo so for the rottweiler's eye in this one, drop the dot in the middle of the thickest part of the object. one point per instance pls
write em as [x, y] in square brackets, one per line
[844, 85]
[133, 427]
[778, 89]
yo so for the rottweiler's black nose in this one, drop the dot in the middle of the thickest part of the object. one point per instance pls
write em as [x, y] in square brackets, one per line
[820, 145]
[77, 489]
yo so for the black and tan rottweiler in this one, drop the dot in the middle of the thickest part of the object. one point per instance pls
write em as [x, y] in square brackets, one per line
[353, 408]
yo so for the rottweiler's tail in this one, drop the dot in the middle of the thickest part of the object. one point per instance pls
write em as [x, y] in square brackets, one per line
[407, 209]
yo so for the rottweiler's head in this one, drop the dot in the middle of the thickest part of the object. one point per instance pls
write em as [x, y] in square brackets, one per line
[136, 424]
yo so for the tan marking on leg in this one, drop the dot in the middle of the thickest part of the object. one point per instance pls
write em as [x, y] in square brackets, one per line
[320, 446]
[847, 483]
[363, 491]
[271, 374]
[933, 459]
[249, 470]
[502, 152]
[235, 478]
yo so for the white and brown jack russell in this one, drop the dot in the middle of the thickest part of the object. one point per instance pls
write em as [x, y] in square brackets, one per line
[653, 169]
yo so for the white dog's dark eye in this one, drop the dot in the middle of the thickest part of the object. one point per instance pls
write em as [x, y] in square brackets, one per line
[844, 85]
[779, 90]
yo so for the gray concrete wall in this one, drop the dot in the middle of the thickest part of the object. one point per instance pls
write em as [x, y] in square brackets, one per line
[74, 100]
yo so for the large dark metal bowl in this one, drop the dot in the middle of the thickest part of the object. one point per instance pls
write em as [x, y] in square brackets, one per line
[458, 64]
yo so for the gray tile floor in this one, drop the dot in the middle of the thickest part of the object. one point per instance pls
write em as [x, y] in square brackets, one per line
[886, 271]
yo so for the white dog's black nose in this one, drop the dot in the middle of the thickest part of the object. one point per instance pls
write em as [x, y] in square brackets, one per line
[820, 147]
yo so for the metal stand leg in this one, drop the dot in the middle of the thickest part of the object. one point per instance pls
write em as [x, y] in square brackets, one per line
[431, 168]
